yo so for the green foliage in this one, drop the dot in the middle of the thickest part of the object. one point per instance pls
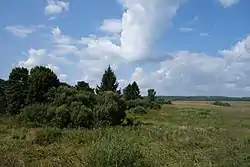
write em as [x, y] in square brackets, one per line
[168, 102]
[135, 91]
[2, 101]
[108, 82]
[81, 116]
[116, 151]
[83, 86]
[162, 101]
[41, 80]
[37, 113]
[131, 92]
[62, 116]
[219, 103]
[154, 105]
[138, 110]
[137, 103]
[151, 95]
[16, 92]
[61, 95]
[127, 92]
[111, 108]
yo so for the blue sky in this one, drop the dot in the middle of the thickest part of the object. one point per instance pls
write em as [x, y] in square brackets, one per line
[178, 47]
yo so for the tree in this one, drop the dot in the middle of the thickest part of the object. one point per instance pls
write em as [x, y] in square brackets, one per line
[131, 92]
[3, 86]
[110, 108]
[84, 86]
[135, 91]
[127, 92]
[16, 92]
[65, 84]
[151, 95]
[41, 80]
[108, 82]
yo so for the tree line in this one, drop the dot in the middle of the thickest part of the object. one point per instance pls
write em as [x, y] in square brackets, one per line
[37, 96]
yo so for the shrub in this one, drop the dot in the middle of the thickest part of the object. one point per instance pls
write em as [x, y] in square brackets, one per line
[168, 102]
[137, 103]
[37, 113]
[138, 110]
[154, 105]
[110, 109]
[62, 117]
[132, 119]
[81, 116]
[219, 103]
[116, 151]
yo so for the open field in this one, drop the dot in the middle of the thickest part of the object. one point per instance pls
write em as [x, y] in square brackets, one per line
[185, 134]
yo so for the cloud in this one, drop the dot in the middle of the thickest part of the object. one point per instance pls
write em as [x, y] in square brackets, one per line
[187, 73]
[185, 29]
[22, 31]
[111, 25]
[227, 3]
[55, 7]
[181, 73]
[141, 23]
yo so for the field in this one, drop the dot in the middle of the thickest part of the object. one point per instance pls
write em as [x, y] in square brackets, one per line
[185, 134]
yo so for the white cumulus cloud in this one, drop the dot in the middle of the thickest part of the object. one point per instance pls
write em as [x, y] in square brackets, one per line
[54, 7]
[111, 25]
[187, 73]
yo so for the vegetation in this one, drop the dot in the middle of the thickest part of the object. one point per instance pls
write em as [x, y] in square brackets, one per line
[183, 134]
[44, 122]
[219, 103]
[38, 97]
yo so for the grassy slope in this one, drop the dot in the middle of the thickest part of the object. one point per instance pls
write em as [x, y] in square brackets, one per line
[185, 134]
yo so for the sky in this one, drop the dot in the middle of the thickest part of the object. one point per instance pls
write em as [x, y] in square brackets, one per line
[177, 47]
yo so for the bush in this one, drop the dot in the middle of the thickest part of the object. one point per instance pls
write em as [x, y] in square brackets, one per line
[62, 117]
[132, 119]
[219, 103]
[137, 103]
[37, 113]
[111, 109]
[138, 110]
[81, 116]
[116, 151]
[154, 105]
[168, 102]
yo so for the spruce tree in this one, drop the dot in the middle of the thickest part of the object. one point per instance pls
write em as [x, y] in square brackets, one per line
[151, 95]
[135, 91]
[108, 82]
[127, 92]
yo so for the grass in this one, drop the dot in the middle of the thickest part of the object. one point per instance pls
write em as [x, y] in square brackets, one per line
[185, 134]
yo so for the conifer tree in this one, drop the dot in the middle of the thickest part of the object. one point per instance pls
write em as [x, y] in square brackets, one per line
[127, 92]
[135, 91]
[108, 82]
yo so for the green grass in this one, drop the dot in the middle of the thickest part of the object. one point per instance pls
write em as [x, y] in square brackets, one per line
[179, 135]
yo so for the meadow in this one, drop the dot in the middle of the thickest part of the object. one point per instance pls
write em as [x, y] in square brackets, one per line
[185, 134]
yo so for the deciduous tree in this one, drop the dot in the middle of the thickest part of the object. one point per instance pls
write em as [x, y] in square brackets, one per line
[40, 81]
[16, 92]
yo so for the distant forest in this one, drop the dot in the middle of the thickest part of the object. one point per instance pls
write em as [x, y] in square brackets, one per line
[204, 98]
